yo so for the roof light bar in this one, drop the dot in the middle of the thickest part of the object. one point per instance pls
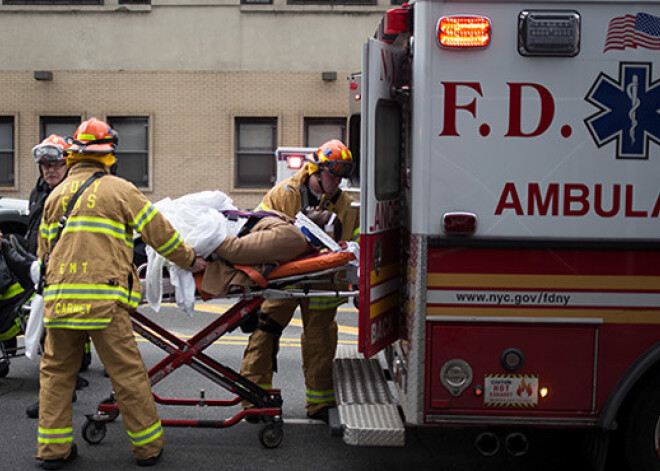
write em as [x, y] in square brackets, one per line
[464, 31]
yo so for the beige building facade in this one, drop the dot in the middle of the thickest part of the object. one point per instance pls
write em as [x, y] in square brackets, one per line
[201, 91]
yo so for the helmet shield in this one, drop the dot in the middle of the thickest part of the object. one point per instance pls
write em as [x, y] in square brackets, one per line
[47, 153]
[52, 149]
[337, 168]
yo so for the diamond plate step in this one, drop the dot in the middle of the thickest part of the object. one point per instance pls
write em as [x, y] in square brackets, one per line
[367, 411]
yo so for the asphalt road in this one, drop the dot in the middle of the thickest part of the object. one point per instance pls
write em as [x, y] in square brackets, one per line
[306, 445]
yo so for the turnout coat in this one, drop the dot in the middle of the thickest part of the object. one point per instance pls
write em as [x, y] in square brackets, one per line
[90, 270]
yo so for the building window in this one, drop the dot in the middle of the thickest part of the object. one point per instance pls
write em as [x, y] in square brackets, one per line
[320, 130]
[332, 2]
[133, 150]
[64, 126]
[7, 175]
[52, 2]
[255, 143]
[256, 2]
[135, 2]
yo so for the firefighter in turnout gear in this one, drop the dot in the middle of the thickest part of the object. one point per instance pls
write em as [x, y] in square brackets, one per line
[316, 186]
[90, 285]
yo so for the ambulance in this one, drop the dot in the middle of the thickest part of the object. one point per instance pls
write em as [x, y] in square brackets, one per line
[510, 227]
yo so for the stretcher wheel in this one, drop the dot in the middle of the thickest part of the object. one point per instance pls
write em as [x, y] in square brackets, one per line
[271, 435]
[4, 368]
[94, 431]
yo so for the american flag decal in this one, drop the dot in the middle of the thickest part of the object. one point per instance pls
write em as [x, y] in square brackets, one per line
[640, 30]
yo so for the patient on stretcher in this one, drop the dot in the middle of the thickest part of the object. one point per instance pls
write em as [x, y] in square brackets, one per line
[263, 242]
[241, 246]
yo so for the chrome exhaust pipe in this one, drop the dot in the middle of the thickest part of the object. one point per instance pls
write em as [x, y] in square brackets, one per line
[487, 443]
[516, 444]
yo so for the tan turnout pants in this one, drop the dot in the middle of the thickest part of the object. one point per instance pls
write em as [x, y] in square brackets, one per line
[118, 351]
[318, 343]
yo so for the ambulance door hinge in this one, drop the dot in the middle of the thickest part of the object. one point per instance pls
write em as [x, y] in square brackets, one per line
[401, 94]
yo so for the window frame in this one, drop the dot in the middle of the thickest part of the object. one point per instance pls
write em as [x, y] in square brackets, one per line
[111, 120]
[44, 120]
[238, 120]
[54, 2]
[12, 119]
[307, 121]
[387, 178]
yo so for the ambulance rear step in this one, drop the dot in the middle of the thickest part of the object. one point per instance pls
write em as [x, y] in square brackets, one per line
[368, 414]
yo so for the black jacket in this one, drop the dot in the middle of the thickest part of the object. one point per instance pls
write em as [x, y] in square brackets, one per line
[37, 200]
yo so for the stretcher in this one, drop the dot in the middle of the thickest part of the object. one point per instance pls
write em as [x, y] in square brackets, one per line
[297, 279]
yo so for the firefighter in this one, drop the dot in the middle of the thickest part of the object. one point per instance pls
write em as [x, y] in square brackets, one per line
[314, 186]
[90, 285]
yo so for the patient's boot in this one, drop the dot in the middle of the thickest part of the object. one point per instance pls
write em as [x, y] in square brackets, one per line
[19, 263]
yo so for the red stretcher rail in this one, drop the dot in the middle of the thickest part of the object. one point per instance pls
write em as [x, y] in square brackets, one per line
[267, 403]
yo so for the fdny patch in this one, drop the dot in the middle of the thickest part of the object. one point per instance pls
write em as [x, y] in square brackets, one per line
[628, 110]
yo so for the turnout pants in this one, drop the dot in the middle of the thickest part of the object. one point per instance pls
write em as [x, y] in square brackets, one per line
[118, 351]
[318, 342]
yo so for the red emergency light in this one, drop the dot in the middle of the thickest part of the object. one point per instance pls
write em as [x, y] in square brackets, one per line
[464, 31]
[295, 161]
[396, 21]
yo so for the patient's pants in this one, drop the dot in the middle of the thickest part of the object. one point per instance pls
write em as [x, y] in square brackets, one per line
[270, 240]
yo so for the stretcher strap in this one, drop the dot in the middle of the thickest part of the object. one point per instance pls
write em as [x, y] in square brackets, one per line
[257, 277]
[301, 266]
[317, 262]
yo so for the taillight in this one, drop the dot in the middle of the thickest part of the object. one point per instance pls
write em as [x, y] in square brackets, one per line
[393, 23]
[294, 162]
[396, 21]
[464, 31]
[459, 223]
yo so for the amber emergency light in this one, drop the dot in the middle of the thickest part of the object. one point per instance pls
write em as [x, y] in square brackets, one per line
[464, 31]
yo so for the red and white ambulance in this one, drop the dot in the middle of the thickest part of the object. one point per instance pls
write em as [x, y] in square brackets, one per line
[510, 224]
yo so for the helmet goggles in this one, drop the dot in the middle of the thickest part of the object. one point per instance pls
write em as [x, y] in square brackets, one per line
[337, 168]
[47, 153]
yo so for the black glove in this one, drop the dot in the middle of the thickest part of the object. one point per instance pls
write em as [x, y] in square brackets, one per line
[19, 263]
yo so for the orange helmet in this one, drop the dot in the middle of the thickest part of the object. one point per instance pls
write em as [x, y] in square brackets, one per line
[333, 156]
[52, 149]
[94, 137]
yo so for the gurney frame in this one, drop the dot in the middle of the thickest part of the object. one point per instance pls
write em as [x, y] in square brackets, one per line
[267, 403]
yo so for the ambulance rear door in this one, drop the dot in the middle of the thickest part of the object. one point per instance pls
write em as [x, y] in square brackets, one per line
[380, 217]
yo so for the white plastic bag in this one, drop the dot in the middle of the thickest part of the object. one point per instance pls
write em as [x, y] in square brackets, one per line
[198, 219]
[184, 289]
[35, 328]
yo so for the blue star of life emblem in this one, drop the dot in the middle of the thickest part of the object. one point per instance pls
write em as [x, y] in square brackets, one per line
[628, 111]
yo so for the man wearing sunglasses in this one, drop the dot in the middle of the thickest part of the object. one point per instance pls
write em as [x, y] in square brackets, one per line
[314, 187]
